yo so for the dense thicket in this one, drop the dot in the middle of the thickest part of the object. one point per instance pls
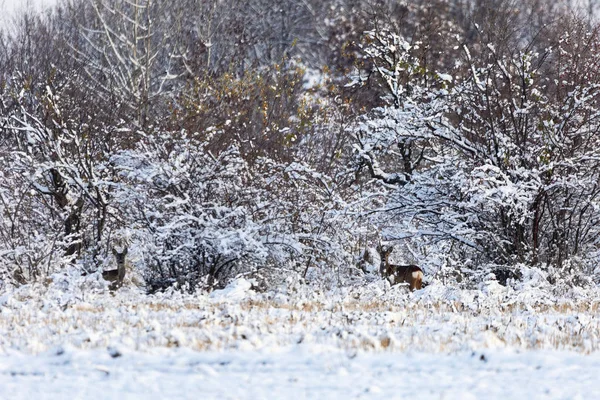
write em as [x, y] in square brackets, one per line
[225, 137]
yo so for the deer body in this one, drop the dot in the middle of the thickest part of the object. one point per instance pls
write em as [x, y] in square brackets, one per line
[411, 274]
[116, 276]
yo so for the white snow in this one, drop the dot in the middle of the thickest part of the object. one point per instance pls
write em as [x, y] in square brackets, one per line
[299, 372]
[445, 77]
[235, 291]
[73, 339]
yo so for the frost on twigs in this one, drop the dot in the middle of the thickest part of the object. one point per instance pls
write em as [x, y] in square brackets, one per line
[494, 164]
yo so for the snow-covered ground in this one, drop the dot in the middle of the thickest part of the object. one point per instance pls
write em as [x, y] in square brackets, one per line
[299, 372]
[74, 339]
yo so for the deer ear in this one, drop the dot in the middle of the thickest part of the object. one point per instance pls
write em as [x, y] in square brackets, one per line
[124, 251]
[114, 251]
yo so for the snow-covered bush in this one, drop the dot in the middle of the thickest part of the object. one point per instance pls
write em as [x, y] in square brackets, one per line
[200, 219]
[192, 212]
[222, 151]
[499, 159]
[55, 189]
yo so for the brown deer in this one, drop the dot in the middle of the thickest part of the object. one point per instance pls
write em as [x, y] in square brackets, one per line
[410, 274]
[116, 276]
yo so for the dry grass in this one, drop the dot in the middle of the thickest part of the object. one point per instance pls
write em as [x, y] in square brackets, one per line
[381, 323]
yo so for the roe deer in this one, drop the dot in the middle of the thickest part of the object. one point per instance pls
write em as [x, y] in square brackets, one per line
[410, 274]
[116, 276]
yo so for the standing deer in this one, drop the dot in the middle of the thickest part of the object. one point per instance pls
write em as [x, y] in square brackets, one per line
[410, 274]
[116, 276]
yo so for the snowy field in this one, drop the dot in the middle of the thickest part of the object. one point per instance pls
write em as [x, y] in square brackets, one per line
[299, 372]
[78, 341]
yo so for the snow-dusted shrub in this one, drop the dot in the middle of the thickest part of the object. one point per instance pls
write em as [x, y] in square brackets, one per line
[499, 159]
[191, 212]
[201, 218]
[55, 184]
